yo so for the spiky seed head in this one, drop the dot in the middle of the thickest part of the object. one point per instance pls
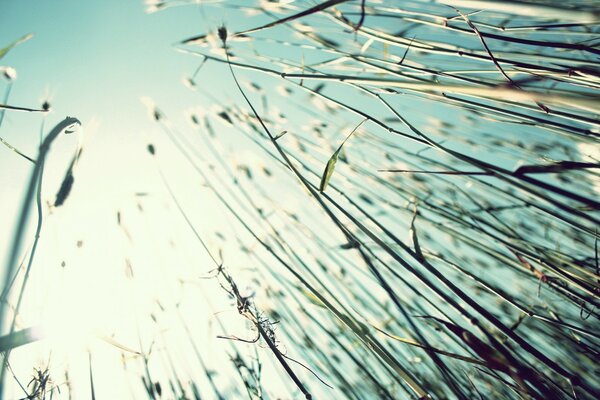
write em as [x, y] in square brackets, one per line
[9, 73]
[222, 33]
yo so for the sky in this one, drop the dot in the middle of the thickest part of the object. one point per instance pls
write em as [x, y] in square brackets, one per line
[97, 61]
[94, 60]
[78, 59]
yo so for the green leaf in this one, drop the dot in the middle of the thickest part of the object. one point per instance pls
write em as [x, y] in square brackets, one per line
[332, 160]
[6, 49]
[328, 171]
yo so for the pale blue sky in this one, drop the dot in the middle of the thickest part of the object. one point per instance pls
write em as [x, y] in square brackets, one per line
[93, 60]
[96, 57]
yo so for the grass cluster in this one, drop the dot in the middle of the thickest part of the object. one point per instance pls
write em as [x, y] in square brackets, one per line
[420, 218]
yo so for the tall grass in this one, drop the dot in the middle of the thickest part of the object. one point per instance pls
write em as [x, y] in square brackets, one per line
[467, 200]
[419, 217]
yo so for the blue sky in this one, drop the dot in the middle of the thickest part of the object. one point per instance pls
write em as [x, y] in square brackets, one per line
[92, 60]
[92, 56]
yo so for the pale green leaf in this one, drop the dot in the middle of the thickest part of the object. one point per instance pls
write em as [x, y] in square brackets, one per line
[6, 49]
[332, 160]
